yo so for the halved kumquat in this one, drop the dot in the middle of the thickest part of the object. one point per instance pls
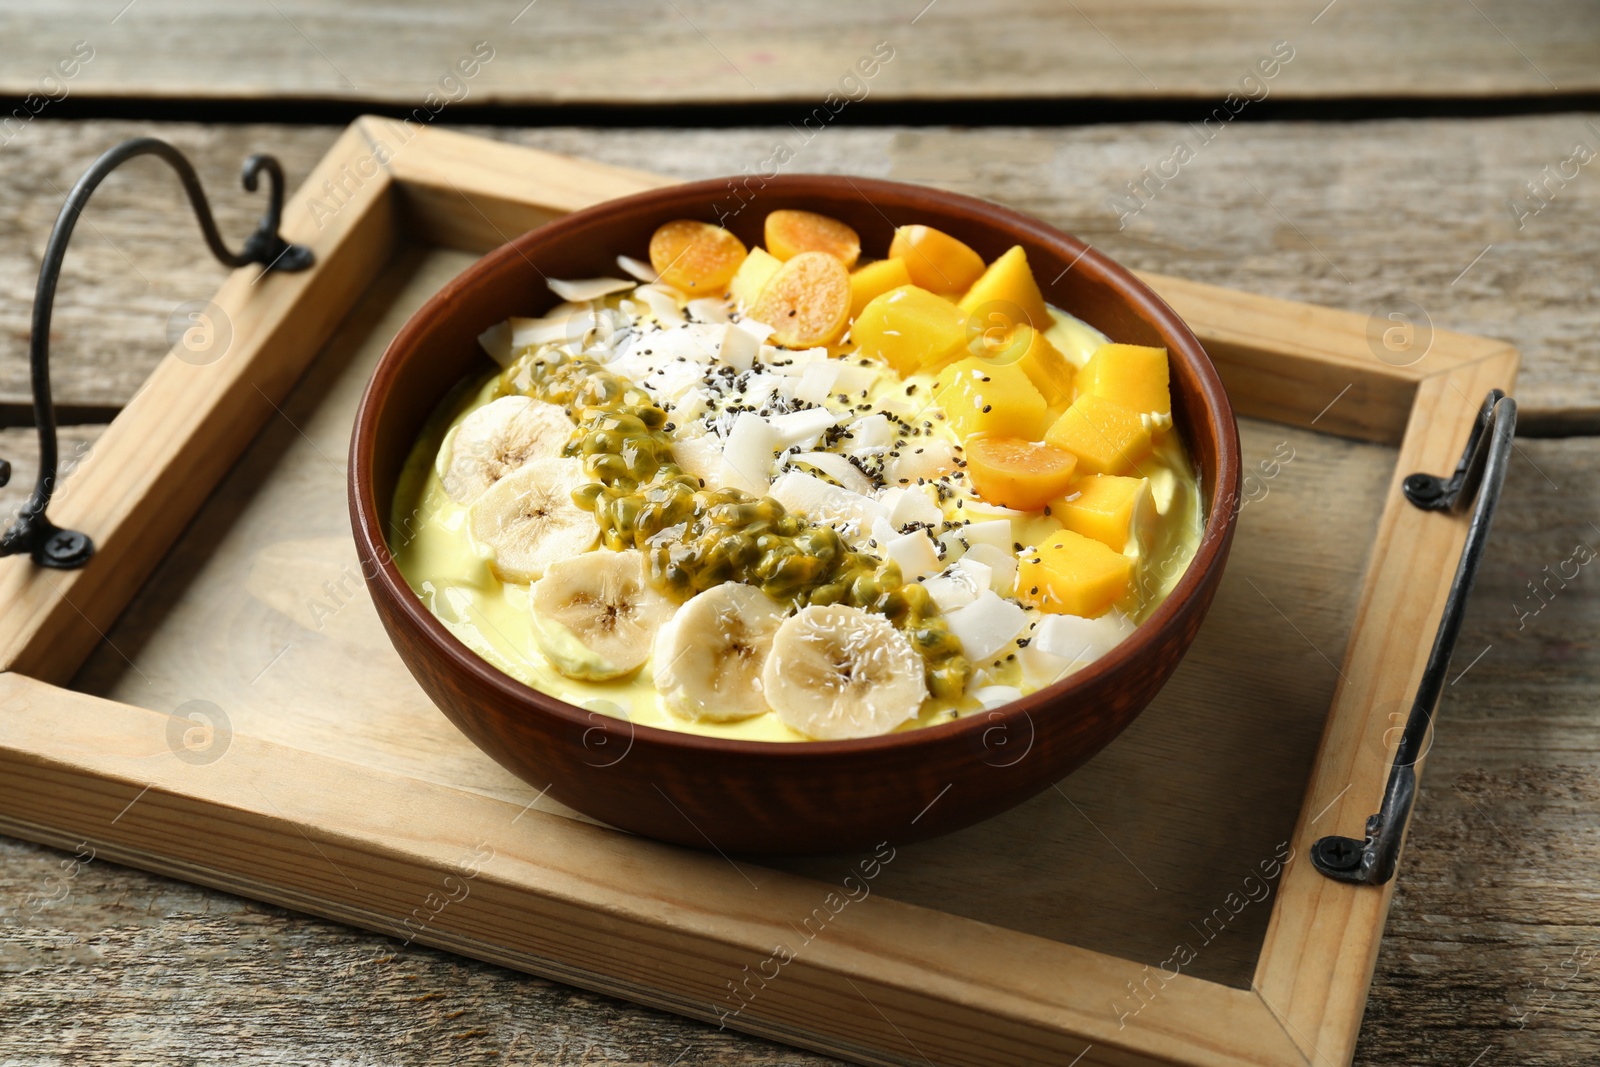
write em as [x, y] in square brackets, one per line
[789, 233]
[696, 257]
[806, 302]
[1014, 473]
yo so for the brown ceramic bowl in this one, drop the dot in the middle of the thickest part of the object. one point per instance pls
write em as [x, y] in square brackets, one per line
[769, 797]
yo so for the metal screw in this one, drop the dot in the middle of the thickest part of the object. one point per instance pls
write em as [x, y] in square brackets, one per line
[1339, 853]
[67, 548]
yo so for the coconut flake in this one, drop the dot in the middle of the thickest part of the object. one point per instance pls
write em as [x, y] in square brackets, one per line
[986, 626]
[663, 304]
[747, 460]
[990, 697]
[994, 532]
[959, 585]
[1080, 640]
[709, 309]
[736, 346]
[552, 329]
[803, 427]
[496, 341]
[700, 457]
[915, 553]
[836, 467]
[638, 269]
[1003, 565]
[869, 435]
[817, 380]
[582, 290]
[912, 505]
[852, 514]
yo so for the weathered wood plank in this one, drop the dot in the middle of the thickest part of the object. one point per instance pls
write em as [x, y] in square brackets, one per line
[20, 446]
[1370, 213]
[1493, 942]
[616, 53]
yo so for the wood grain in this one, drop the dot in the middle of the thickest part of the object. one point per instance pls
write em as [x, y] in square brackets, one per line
[1481, 929]
[20, 446]
[1401, 209]
[263, 592]
[160, 457]
[616, 53]
[1184, 1002]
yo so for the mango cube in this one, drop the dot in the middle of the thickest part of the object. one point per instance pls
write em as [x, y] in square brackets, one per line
[1106, 437]
[752, 276]
[1050, 372]
[1133, 375]
[982, 397]
[1009, 279]
[872, 281]
[910, 328]
[1108, 508]
[1071, 574]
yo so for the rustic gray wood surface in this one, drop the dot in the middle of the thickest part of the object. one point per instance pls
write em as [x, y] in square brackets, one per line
[1352, 215]
[615, 52]
[1493, 947]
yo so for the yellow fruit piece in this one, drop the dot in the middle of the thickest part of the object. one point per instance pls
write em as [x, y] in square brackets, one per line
[908, 327]
[789, 233]
[1050, 372]
[1009, 281]
[806, 302]
[982, 398]
[753, 274]
[872, 281]
[1133, 375]
[1106, 437]
[1071, 574]
[1014, 473]
[696, 257]
[1107, 508]
[938, 262]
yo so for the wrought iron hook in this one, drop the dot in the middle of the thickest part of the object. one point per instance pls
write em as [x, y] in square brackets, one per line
[33, 532]
[1479, 476]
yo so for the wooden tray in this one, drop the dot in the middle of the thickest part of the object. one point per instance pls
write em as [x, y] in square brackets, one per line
[213, 698]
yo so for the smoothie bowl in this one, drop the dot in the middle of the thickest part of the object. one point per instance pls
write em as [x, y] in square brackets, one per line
[860, 515]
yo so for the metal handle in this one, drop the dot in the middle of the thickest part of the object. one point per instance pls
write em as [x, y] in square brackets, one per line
[33, 532]
[1479, 476]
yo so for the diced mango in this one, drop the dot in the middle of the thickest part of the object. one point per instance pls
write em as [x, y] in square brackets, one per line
[1135, 376]
[979, 397]
[910, 328]
[1009, 280]
[754, 273]
[806, 301]
[872, 281]
[1106, 437]
[1014, 473]
[1108, 508]
[1050, 372]
[938, 262]
[696, 257]
[789, 233]
[1071, 574]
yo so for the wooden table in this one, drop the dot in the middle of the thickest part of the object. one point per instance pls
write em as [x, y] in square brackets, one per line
[1493, 947]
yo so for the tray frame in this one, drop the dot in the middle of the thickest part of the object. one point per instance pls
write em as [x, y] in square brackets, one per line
[897, 983]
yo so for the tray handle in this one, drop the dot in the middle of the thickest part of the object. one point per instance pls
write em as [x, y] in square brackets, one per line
[33, 532]
[1478, 477]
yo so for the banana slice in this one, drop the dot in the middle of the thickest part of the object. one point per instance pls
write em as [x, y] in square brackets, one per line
[708, 659]
[595, 617]
[529, 520]
[498, 438]
[838, 672]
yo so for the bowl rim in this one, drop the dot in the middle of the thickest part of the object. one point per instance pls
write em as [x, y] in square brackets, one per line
[372, 542]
